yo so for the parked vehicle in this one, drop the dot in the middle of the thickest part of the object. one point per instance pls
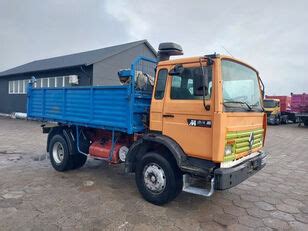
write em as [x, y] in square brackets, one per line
[278, 109]
[299, 107]
[202, 120]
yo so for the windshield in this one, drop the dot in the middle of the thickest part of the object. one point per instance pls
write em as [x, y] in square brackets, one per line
[269, 103]
[240, 87]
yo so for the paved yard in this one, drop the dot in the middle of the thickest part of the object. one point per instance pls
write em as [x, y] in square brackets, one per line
[33, 196]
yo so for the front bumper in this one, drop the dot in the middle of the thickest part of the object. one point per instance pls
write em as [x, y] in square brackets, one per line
[229, 177]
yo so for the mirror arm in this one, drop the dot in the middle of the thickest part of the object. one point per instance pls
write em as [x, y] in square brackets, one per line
[262, 91]
[263, 87]
[203, 85]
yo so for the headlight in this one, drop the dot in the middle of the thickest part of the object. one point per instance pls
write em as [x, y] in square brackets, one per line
[228, 150]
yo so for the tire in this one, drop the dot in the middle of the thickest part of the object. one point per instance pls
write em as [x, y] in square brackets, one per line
[159, 181]
[60, 158]
[78, 160]
[277, 120]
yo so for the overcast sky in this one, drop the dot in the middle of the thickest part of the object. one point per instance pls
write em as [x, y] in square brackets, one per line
[272, 36]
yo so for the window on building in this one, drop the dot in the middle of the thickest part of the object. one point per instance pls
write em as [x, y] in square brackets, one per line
[11, 87]
[52, 82]
[20, 87]
[26, 82]
[66, 81]
[15, 87]
[45, 82]
[38, 83]
[59, 81]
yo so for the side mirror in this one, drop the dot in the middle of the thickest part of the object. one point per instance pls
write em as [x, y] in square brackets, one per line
[177, 70]
[203, 81]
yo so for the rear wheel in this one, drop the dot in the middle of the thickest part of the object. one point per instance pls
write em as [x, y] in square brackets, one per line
[59, 153]
[158, 179]
[78, 160]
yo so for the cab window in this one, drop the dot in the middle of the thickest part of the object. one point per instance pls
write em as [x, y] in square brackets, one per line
[161, 84]
[188, 85]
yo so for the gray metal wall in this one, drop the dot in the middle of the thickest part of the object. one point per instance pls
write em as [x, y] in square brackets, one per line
[10, 103]
[105, 72]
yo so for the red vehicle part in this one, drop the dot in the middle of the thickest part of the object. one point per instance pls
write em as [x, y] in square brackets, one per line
[102, 144]
[299, 103]
[102, 150]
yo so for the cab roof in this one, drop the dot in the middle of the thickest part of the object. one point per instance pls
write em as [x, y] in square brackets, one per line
[195, 59]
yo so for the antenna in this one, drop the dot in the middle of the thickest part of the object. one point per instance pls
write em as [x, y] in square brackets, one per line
[227, 51]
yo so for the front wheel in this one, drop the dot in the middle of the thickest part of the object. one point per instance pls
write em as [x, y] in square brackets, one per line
[277, 120]
[158, 180]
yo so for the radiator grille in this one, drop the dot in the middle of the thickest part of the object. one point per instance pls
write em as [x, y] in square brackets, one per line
[241, 144]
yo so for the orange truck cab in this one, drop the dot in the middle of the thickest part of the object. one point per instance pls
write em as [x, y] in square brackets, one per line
[208, 111]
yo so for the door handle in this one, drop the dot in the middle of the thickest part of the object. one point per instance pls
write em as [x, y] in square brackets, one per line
[168, 116]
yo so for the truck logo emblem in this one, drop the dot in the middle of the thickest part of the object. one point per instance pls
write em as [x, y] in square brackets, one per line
[193, 123]
[199, 123]
[251, 140]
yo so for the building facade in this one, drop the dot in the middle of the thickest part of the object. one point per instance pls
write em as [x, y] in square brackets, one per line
[97, 67]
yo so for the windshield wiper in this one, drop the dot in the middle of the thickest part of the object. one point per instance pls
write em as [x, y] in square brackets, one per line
[238, 102]
[257, 104]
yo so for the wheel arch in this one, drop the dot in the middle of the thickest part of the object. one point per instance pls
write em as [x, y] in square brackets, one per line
[154, 142]
[64, 131]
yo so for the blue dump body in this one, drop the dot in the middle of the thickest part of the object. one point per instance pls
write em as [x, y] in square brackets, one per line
[118, 108]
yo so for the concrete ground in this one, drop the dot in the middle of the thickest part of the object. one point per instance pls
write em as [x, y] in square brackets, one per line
[33, 196]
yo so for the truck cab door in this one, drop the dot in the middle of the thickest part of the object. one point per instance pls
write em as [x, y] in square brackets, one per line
[157, 103]
[184, 116]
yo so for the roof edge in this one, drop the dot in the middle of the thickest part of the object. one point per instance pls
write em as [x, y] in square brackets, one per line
[40, 71]
[145, 41]
[135, 43]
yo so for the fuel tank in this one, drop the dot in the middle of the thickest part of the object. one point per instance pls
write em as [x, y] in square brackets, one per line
[101, 149]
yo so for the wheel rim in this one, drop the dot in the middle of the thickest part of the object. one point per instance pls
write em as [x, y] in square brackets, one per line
[58, 152]
[154, 178]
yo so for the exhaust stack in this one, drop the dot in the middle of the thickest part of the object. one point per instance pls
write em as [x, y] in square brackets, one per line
[165, 50]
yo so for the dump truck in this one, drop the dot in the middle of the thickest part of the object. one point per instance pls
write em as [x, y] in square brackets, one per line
[278, 109]
[189, 124]
[272, 109]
